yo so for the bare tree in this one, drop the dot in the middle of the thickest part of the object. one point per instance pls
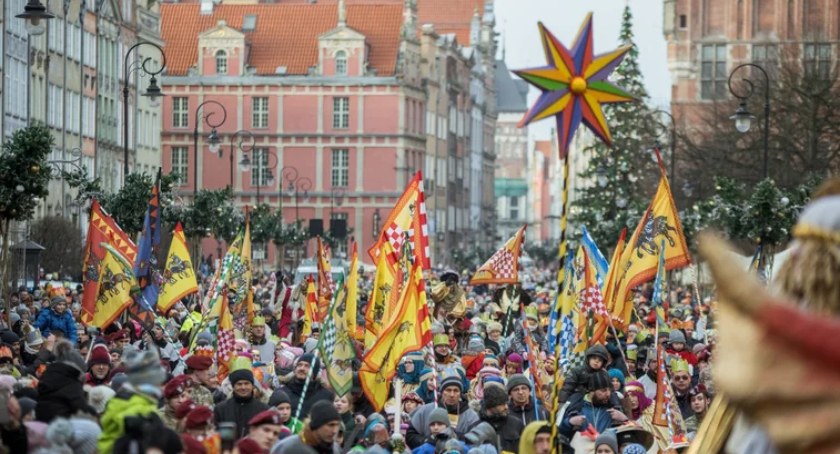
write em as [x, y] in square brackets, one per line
[63, 242]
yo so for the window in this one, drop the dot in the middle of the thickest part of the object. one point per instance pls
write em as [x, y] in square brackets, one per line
[341, 63]
[340, 168]
[818, 60]
[341, 113]
[259, 167]
[180, 164]
[514, 208]
[766, 56]
[259, 112]
[180, 112]
[683, 21]
[713, 75]
[221, 62]
[340, 250]
[249, 23]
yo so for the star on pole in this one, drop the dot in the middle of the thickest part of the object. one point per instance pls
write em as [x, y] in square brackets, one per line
[574, 85]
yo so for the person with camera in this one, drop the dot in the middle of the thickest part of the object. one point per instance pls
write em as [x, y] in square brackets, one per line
[242, 405]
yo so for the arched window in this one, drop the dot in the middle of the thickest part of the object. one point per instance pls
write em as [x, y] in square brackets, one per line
[221, 62]
[341, 63]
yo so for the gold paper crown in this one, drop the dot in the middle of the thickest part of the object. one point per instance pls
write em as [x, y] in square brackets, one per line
[679, 365]
[632, 354]
[258, 321]
[203, 350]
[440, 339]
[805, 231]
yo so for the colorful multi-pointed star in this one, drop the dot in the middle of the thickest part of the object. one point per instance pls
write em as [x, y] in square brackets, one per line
[574, 85]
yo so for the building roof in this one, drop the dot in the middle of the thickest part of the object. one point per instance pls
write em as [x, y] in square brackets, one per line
[511, 94]
[285, 34]
[450, 16]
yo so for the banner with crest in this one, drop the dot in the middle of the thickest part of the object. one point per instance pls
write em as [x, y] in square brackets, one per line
[178, 275]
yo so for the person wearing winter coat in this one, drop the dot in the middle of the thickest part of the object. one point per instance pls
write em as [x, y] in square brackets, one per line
[593, 410]
[242, 405]
[534, 332]
[577, 379]
[99, 366]
[522, 401]
[461, 416]
[495, 412]
[138, 396]
[60, 390]
[56, 317]
[319, 432]
[536, 438]
[314, 393]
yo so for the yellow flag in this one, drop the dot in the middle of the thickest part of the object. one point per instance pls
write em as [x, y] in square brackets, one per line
[310, 309]
[352, 291]
[325, 282]
[409, 331]
[178, 275]
[388, 285]
[240, 276]
[503, 266]
[116, 281]
[640, 258]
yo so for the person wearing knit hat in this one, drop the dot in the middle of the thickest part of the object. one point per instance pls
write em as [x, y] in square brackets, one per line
[577, 379]
[633, 448]
[428, 385]
[77, 435]
[606, 443]
[495, 412]
[491, 360]
[473, 357]
[263, 431]
[56, 318]
[175, 392]
[99, 366]
[439, 432]
[520, 390]
[513, 364]
[452, 399]
[594, 408]
[60, 390]
[242, 405]
[307, 364]
[617, 380]
[137, 397]
[677, 348]
[318, 435]
[98, 398]
[198, 368]
[410, 402]
[280, 401]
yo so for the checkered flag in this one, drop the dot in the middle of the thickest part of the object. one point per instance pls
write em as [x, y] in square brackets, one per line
[567, 341]
[329, 341]
[593, 301]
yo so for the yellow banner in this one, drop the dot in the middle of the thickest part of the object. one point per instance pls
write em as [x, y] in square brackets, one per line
[116, 281]
[178, 275]
[409, 331]
[353, 291]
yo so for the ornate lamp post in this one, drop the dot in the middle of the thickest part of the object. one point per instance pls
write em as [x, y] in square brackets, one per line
[213, 139]
[743, 118]
[152, 91]
[35, 13]
[242, 135]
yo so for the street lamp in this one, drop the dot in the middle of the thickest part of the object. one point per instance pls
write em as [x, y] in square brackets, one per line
[245, 164]
[743, 118]
[601, 175]
[213, 141]
[35, 13]
[377, 218]
[336, 199]
[153, 91]
[243, 148]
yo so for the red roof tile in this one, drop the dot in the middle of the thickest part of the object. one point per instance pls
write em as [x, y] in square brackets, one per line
[450, 16]
[285, 35]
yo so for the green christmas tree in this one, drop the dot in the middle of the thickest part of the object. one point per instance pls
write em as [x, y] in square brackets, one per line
[620, 179]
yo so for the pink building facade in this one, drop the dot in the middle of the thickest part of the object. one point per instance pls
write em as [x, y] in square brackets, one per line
[335, 110]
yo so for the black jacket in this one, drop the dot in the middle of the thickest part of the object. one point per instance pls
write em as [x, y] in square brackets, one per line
[239, 411]
[526, 414]
[60, 394]
[508, 429]
[314, 393]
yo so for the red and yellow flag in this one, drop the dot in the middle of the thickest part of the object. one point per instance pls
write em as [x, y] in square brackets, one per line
[405, 226]
[640, 258]
[224, 335]
[326, 287]
[101, 229]
[503, 266]
[178, 275]
[409, 330]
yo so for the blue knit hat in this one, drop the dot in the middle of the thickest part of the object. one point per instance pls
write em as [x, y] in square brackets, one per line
[616, 373]
[634, 448]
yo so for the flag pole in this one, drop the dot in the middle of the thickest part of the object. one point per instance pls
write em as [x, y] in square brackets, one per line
[561, 273]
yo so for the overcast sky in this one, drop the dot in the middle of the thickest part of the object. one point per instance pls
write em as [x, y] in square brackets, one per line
[517, 20]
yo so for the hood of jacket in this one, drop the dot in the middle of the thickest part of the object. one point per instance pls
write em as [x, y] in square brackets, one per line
[526, 440]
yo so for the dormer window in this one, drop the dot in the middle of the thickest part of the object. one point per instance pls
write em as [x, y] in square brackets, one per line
[221, 62]
[341, 63]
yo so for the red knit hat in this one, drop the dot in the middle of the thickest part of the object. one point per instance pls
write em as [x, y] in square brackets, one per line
[176, 386]
[250, 446]
[184, 408]
[99, 355]
[198, 418]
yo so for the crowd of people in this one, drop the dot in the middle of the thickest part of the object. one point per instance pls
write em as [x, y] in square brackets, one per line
[67, 387]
